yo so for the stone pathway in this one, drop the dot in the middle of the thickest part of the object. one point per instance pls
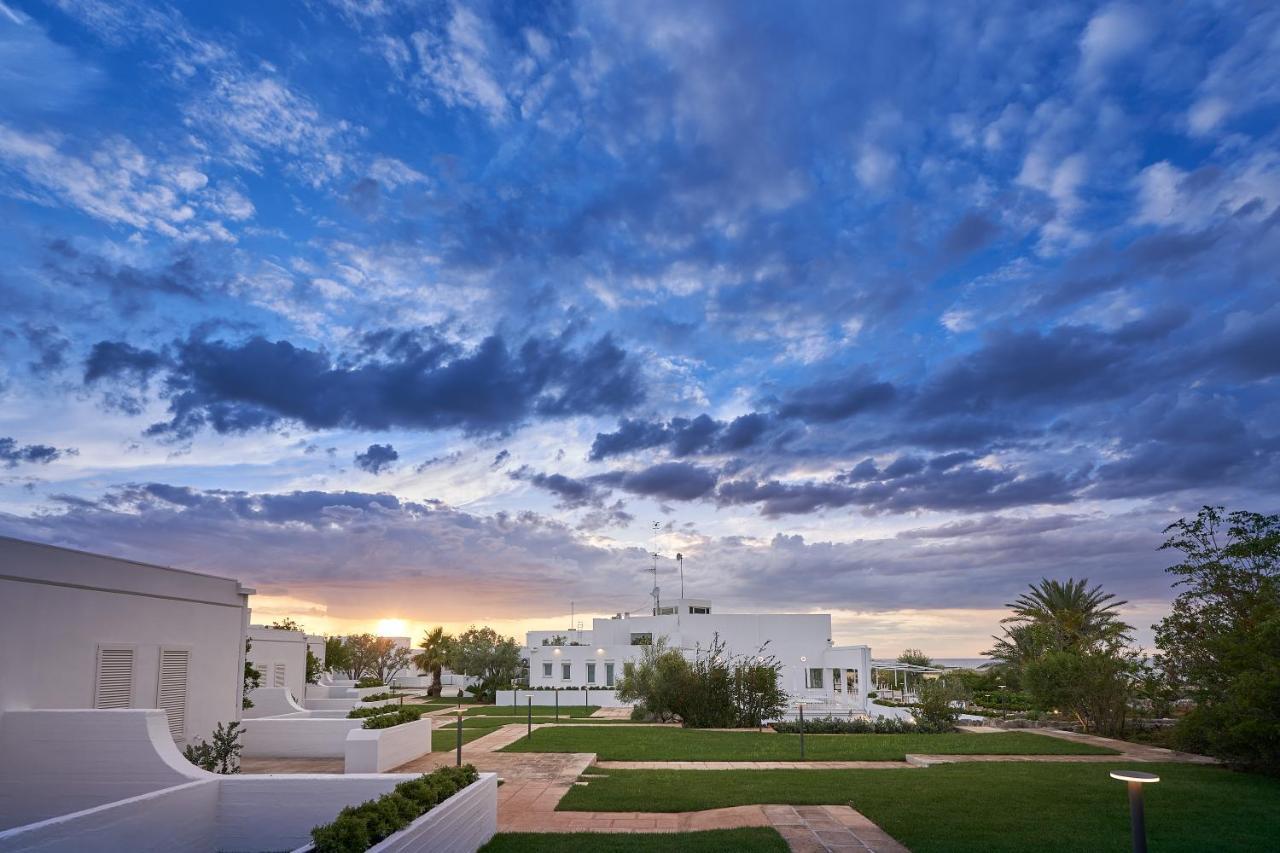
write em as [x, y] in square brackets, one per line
[811, 829]
[755, 765]
[623, 713]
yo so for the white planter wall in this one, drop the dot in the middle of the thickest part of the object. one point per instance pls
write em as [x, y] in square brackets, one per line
[297, 737]
[379, 750]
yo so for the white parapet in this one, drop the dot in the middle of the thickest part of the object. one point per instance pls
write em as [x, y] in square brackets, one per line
[59, 761]
[297, 737]
[379, 750]
[271, 702]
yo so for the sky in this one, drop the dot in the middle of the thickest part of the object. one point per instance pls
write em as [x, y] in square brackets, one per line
[454, 313]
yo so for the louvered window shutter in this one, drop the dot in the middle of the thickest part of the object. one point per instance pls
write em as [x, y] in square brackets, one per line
[278, 675]
[113, 687]
[172, 689]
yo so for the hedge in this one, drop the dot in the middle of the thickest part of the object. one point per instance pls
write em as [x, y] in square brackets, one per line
[397, 717]
[357, 828]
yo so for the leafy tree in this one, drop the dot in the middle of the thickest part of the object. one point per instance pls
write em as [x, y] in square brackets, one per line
[363, 651]
[916, 657]
[337, 657]
[436, 646]
[390, 659]
[654, 681]
[287, 624]
[315, 668]
[252, 678]
[1067, 647]
[484, 654]
[1221, 643]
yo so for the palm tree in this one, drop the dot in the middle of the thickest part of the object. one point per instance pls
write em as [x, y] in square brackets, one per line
[435, 645]
[1072, 615]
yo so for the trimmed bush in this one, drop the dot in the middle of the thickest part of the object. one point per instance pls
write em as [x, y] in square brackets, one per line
[397, 717]
[357, 828]
[370, 681]
[377, 697]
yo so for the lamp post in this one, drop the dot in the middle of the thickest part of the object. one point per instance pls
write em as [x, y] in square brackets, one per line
[530, 717]
[459, 735]
[1135, 779]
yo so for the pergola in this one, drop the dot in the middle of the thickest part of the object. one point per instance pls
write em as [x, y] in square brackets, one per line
[902, 672]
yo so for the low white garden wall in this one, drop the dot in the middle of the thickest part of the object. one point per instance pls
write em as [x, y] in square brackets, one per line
[177, 818]
[379, 750]
[271, 702]
[603, 697]
[297, 737]
[343, 704]
[461, 824]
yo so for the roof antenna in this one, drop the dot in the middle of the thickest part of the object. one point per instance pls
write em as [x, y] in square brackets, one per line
[657, 600]
[680, 560]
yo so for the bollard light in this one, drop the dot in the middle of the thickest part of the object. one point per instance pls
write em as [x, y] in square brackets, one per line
[1135, 779]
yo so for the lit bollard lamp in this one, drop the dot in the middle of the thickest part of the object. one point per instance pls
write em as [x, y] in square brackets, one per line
[802, 731]
[530, 717]
[1135, 779]
[459, 735]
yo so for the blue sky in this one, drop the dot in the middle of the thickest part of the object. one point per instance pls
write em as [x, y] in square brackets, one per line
[430, 311]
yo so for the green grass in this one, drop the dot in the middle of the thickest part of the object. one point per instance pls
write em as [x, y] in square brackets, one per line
[443, 740]
[669, 744]
[754, 840]
[993, 808]
[522, 711]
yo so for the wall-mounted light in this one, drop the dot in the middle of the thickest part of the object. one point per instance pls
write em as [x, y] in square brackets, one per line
[599, 651]
[557, 651]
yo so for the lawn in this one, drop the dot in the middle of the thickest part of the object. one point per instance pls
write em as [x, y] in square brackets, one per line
[994, 808]
[443, 740]
[538, 711]
[669, 744]
[754, 840]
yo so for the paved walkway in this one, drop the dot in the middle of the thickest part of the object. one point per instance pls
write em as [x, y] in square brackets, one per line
[754, 765]
[623, 713]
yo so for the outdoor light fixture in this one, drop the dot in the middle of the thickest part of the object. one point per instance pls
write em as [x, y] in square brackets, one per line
[599, 651]
[557, 651]
[1135, 779]
[803, 659]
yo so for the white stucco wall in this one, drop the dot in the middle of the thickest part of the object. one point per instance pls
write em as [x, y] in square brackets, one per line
[379, 750]
[297, 737]
[271, 649]
[58, 605]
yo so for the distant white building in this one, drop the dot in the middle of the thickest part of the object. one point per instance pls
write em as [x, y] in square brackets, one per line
[814, 669]
[280, 657]
[80, 630]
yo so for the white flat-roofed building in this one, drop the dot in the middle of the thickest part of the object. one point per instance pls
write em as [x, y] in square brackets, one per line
[814, 669]
[281, 658]
[81, 630]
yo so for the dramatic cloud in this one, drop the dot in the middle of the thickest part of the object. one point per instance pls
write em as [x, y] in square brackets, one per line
[13, 454]
[377, 458]
[258, 383]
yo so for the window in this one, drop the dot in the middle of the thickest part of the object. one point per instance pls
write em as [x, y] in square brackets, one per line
[699, 609]
[113, 685]
[666, 611]
[171, 689]
[279, 675]
[566, 671]
[608, 675]
[813, 678]
[591, 673]
[642, 639]
[835, 680]
[546, 669]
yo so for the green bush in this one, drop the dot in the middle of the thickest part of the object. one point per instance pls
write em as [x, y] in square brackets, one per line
[221, 756]
[377, 697]
[370, 681]
[937, 711]
[357, 713]
[397, 717]
[357, 828]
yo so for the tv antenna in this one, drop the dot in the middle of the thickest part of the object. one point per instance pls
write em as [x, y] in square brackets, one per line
[657, 599]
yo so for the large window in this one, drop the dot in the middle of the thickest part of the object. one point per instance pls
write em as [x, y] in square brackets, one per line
[546, 669]
[642, 639]
[813, 678]
[699, 609]
[591, 673]
[566, 671]
[608, 675]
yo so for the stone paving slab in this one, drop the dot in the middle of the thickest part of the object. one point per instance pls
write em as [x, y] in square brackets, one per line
[754, 765]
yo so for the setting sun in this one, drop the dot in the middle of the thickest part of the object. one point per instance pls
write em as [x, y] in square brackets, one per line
[393, 628]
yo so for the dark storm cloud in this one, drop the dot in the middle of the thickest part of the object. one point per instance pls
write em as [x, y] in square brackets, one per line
[572, 493]
[683, 436]
[258, 383]
[13, 454]
[377, 458]
[677, 481]
[837, 399]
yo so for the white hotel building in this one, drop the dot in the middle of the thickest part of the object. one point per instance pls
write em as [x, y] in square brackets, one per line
[814, 669]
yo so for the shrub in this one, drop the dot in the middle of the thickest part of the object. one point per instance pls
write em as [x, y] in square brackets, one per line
[837, 726]
[936, 711]
[357, 713]
[377, 697]
[370, 681]
[397, 717]
[221, 756]
[357, 828]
